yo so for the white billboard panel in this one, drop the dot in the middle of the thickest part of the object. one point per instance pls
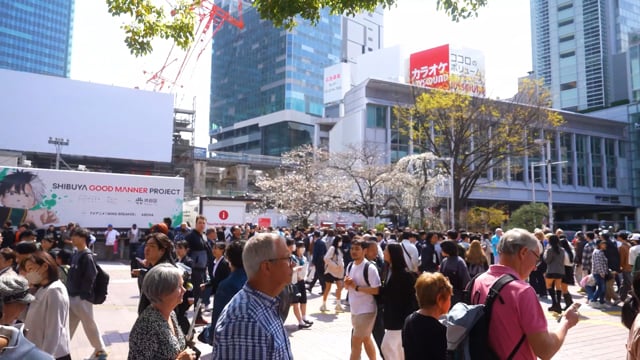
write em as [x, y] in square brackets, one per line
[42, 197]
[467, 71]
[99, 120]
[337, 81]
[223, 212]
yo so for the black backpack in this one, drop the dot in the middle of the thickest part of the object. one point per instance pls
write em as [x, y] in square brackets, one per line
[365, 274]
[100, 286]
[468, 325]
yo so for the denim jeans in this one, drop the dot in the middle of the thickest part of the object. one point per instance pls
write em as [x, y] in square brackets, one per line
[600, 288]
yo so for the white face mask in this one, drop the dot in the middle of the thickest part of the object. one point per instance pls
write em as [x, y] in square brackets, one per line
[34, 278]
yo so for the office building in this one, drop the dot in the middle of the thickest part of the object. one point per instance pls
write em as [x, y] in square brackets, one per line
[267, 83]
[35, 36]
[579, 50]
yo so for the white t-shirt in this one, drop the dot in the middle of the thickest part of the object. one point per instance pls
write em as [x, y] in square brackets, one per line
[411, 256]
[111, 236]
[360, 302]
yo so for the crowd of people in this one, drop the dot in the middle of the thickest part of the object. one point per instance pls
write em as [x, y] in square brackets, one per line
[398, 286]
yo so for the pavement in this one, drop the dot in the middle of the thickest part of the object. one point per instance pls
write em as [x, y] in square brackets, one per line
[599, 334]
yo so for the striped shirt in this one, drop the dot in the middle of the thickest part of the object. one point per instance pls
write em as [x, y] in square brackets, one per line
[250, 328]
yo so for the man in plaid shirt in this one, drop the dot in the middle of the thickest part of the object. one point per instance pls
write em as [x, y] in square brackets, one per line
[587, 253]
[599, 268]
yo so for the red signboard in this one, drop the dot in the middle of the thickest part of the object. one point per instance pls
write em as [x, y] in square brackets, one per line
[264, 222]
[223, 215]
[430, 68]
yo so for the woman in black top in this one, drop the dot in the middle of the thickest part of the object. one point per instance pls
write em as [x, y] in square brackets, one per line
[399, 299]
[423, 336]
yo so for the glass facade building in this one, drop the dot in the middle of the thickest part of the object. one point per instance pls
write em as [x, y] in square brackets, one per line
[574, 45]
[261, 70]
[35, 36]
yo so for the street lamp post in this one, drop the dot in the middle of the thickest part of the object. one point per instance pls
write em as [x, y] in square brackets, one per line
[58, 143]
[548, 157]
[546, 160]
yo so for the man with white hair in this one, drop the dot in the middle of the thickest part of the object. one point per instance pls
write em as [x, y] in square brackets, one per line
[250, 326]
[518, 328]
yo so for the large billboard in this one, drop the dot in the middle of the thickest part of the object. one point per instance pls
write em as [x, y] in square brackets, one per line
[337, 81]
[449, 68]
[42, 197]
[98, 120]
[466, 71]
[430, 68]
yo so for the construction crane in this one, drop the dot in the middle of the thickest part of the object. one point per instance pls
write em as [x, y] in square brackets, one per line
[210, 16]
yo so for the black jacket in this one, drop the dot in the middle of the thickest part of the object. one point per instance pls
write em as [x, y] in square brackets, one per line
[222, 272]
[429, 259]
[82, 274]
[399, 299]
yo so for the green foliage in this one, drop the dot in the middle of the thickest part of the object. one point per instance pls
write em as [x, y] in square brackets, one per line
[482, 219]
[529, 216]
[149, 21]
[176, 21]
[460, 10]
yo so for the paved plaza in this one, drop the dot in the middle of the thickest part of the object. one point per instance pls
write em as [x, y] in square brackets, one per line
[598, 335]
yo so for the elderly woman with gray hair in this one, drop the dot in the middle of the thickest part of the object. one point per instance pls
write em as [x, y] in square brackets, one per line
[156, 333]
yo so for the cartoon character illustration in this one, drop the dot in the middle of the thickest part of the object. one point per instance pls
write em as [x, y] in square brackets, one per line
[19, 193]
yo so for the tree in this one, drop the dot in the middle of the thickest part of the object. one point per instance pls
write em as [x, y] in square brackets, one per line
[304, 187]
[529, 216]
[481, 135]
[363, 166]
[415, 179]
[482, 219]
[176, 21]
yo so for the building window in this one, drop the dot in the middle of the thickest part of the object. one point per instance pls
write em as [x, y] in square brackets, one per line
[581, 159]
[596, 162]
[566, 154]
[610, 162]
[376, 117]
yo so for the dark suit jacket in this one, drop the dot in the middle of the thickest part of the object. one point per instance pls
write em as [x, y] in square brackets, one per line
[399, 299]
[427, 258]
[222, 272]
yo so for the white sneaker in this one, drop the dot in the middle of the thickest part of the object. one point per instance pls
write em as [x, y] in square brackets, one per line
[323, 307]
[595, 305]
[339, 307]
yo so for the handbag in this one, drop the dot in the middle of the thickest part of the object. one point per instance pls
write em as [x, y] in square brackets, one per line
[335, 269]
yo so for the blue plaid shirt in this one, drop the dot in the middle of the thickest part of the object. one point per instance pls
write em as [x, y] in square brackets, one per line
[250, 328]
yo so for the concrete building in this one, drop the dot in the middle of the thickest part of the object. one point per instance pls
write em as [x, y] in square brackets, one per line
[594, 184]
[579, 50]
[35, 36]
[267, 83]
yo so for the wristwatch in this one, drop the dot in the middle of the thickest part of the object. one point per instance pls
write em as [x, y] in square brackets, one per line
[357, 287]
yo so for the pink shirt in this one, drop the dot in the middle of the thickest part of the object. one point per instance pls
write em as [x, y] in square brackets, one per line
[519, 314]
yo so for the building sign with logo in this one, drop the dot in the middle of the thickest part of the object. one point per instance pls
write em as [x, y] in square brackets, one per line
[430, 68]
[449, 68]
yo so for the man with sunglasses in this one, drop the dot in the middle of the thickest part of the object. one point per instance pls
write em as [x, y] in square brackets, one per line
[518, 326]
[250, 327]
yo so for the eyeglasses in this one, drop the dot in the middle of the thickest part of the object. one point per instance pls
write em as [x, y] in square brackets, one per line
[288, 258]
[538, 256]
